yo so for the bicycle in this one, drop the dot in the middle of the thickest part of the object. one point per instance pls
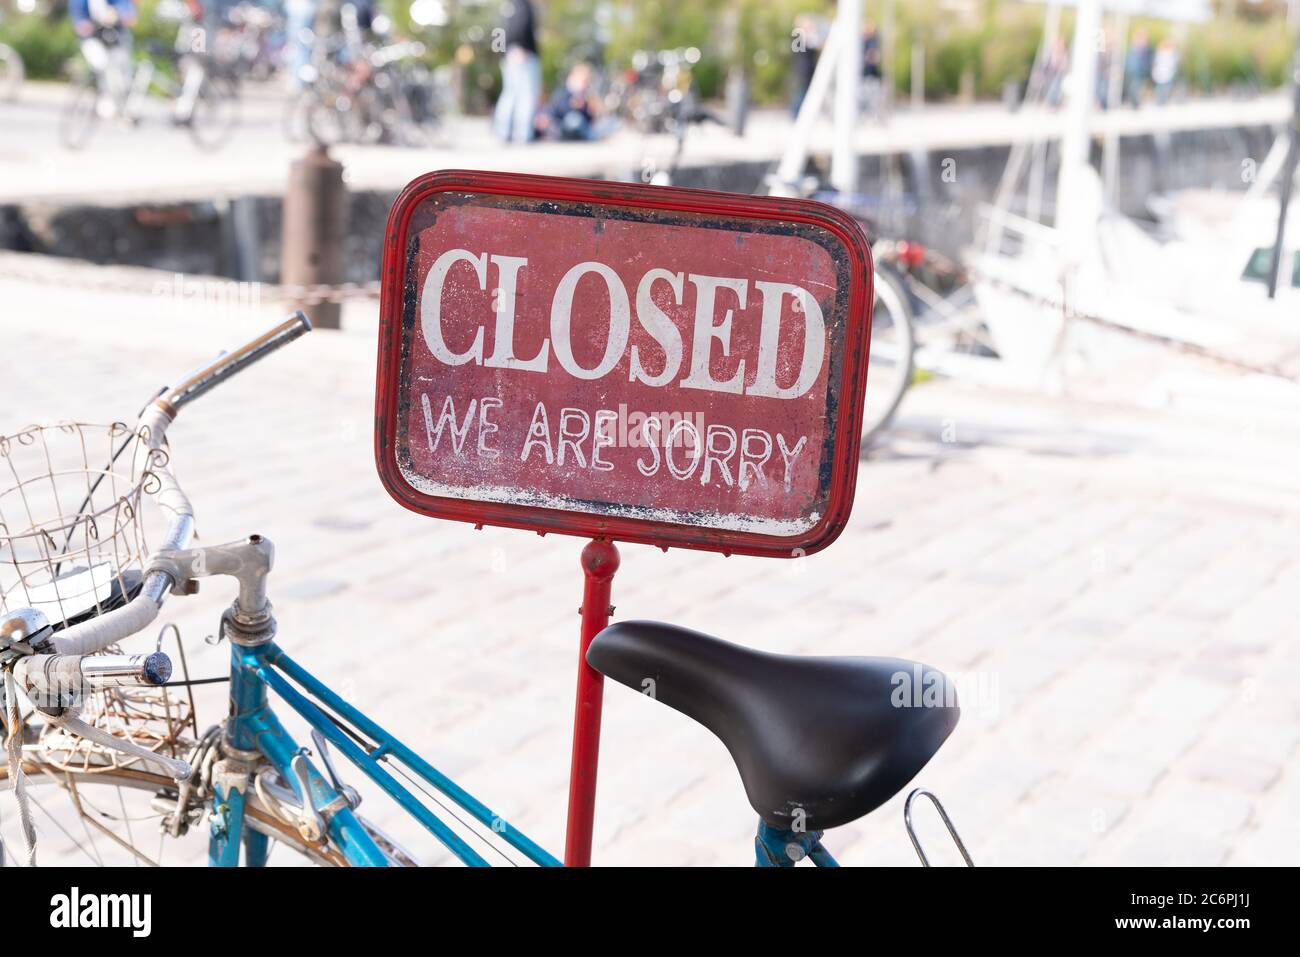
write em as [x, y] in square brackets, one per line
[212, 116]
[818, 741]
[377, 94]
[657, 93]
[891, 365]
[893, 348]
[251, 39]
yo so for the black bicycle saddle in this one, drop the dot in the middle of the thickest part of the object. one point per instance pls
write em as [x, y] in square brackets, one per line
[818, 741]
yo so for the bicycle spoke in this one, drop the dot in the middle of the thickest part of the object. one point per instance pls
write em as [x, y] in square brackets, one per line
[96, 858]
[90, 837]
[125, 845]
[121, 803]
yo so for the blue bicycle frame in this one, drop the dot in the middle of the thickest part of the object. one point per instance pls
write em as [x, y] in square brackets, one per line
[253, 728]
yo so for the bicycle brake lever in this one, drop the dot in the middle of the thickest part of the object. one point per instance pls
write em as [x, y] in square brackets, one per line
[348, 791]
[69, 721]
[310, 823]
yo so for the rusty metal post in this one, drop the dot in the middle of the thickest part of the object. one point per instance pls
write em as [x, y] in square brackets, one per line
[599, 563]
[315, 213]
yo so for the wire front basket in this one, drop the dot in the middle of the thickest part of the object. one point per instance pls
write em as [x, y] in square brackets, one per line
[72, 530]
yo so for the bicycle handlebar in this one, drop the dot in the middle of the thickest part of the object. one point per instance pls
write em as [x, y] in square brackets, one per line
[62, 680]
[230, 363]
[98, 633]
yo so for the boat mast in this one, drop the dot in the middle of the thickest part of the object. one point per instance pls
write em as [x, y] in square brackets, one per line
[848, 84]
[1076, 138]
[1288, 178]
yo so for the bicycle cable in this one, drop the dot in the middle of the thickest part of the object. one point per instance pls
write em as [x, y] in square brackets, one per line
[90, 492]
[369, 748]
[194, 681]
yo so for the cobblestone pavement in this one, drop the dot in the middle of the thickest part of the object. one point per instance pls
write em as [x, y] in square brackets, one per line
[1115, 589]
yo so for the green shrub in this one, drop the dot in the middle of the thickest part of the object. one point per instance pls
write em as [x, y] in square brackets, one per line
[155, 37]
[1007, 53]
[44, 45]
[1217, 54]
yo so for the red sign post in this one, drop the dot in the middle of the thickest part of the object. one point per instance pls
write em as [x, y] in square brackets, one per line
[625, 363]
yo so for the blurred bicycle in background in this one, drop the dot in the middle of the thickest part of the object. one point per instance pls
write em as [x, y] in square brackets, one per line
[250, 41]
[924, 302]
[115, 85]
[359, 89]
[657, 92]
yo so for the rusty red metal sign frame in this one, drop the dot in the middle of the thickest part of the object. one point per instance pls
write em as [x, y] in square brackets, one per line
[667, 366]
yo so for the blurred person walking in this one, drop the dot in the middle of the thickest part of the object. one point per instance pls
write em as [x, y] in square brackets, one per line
[1101, 82]
[808, 39]
[521, 74]
[191, 48]
[872, 72]
[1137, 68]
[1056, 67]
[300, 15]
[104, 27]
[1164, 69]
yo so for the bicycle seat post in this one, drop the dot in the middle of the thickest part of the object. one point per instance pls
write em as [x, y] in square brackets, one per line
[599, 563]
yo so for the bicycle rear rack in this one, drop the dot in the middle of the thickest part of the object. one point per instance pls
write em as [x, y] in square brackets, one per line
[947, 822]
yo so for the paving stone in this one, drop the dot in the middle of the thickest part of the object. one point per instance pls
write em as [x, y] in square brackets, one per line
[1247, 735]
[1155, 740]
[1119, 775]
[310, 589]
[1273, 845]
[1058, 830]
[1192, 699]
[1206, 809]
[1231, 769]
[1160, 846]
[1160, 638]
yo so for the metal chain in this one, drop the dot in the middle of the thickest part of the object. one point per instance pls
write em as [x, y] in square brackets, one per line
[130, 283]
[1189, 348]
[315, 295]
[1176, 345]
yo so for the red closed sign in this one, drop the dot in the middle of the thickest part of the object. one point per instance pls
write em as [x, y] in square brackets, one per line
[637, 363]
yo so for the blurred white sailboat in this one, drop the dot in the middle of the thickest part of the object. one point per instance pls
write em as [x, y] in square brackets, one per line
[1206, 290]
